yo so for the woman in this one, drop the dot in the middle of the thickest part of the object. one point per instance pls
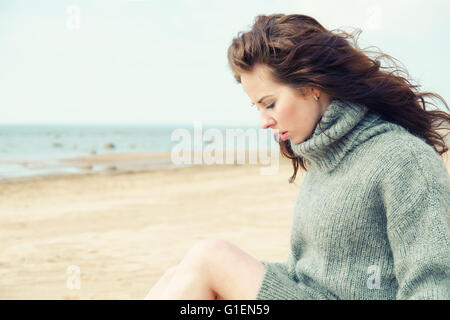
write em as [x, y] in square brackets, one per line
[371, 217]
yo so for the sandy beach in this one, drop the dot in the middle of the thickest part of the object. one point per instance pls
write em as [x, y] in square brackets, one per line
[112, 235]
[120, 230]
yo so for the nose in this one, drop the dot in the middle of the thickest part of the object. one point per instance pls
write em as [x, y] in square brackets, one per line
[267, 122]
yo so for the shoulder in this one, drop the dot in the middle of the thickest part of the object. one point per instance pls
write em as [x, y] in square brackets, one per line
[408, 164]
[399, 149]
[399, 159]
[412, 179]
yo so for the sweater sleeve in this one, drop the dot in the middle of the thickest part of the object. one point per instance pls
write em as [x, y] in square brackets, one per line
[277, 285]
[416, 196]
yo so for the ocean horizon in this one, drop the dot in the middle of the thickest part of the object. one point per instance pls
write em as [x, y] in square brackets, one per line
[41, 149]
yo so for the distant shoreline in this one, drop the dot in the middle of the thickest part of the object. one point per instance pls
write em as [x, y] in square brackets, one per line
[125, 162]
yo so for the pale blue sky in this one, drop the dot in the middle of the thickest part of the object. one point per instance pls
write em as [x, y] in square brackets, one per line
[158, 62]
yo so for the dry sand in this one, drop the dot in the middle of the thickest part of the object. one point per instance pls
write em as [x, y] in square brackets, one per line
[123, 230]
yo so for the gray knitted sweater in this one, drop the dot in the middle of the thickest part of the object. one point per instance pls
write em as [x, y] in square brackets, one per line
[371, 220]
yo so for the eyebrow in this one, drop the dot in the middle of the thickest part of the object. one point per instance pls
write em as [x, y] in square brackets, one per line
[260, 100]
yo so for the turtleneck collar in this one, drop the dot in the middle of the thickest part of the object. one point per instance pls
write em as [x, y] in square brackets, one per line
[343, 121]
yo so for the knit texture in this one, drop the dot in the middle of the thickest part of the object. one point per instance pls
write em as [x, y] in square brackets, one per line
[371, 220]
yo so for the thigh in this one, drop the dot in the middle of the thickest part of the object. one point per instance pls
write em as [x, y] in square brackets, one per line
[232, 273]
[157, 290]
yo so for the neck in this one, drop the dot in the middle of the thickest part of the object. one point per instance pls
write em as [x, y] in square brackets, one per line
[342, 123]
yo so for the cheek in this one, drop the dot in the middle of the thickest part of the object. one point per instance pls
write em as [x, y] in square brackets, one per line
[297, 119]
[293, 115]
[288, 112]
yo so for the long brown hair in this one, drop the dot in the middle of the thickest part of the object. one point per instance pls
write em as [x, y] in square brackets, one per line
[301, 53]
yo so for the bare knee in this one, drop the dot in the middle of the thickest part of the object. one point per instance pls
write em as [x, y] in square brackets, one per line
[209, 245]
[227, 271]
[205, 260]
[171, 271]
[158, 288]
[230, 272]
[197, 266]
[201, 253]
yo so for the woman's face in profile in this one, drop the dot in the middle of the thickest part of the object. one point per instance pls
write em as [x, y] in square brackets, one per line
[282, 108]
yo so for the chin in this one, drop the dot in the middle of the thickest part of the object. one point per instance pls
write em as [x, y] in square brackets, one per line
[299, 140]
[296, 141]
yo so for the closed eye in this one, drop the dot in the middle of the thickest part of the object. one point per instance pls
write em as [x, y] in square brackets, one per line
[270, 106]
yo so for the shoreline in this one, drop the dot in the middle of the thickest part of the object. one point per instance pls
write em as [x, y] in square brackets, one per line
[112, 162]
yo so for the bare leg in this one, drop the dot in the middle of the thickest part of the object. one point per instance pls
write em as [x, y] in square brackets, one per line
[188, 284]
[215, 269]
[157, 290]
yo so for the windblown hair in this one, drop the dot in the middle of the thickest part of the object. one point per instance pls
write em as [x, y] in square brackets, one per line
[301, 53]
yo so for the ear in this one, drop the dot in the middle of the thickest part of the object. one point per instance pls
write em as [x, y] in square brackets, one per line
[315, 93]
[305, 91]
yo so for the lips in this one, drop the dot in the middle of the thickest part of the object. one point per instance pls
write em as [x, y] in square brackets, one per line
[280, 135]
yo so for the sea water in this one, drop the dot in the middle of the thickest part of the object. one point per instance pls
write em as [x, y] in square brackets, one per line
[31, 150]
